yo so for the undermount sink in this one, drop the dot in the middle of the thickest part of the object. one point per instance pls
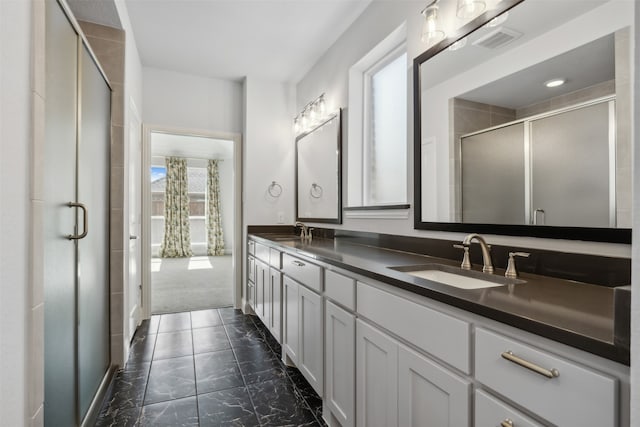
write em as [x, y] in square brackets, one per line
[456, 277]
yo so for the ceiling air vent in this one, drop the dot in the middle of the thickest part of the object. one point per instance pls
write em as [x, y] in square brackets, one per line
[497, 38]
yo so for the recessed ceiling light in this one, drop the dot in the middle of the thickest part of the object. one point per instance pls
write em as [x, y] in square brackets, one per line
[458, 45]
[554, 82]
[497, 20]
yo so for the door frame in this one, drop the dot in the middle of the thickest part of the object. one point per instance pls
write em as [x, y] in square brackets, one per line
[236, 138]
[134, 117]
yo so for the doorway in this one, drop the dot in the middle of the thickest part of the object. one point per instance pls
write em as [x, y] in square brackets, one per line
[192, 190]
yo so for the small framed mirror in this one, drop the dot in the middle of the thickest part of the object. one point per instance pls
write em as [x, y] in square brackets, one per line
[319, 172]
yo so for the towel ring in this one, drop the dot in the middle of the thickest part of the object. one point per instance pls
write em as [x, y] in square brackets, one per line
[315, 191]
[275, 189]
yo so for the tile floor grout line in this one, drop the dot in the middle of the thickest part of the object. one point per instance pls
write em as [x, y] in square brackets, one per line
[193, 359]
[146, 383]
[244, 381]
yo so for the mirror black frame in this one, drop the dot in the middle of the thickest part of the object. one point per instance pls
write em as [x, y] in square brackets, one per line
[338, 220]
[611, 235]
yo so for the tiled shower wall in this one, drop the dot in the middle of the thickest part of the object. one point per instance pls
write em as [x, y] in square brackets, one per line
[108, 45]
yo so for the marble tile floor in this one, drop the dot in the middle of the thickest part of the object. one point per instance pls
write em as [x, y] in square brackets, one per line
[214, 367]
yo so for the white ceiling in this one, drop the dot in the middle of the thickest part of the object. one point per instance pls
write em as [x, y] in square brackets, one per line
[272, 39]
[193, 147]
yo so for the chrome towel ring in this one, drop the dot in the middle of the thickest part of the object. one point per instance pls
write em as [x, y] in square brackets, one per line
[315, 191]
[275, 189]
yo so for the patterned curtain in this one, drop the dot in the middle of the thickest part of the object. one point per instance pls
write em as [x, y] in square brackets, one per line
[215, 239]
[176, 242]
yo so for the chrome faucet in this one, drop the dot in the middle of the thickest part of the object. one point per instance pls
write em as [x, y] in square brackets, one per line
[305, 231]
[486, 254]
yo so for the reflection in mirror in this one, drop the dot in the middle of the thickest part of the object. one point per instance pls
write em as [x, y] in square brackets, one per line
[526, 129]
[318, 170]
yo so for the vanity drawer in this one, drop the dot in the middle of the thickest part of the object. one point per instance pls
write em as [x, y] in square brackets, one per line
[492, 412]
[439, 334]
[578, 396]
[341, 289]
[275, 258]
[308, 274]
[262, 252]
[251, 247]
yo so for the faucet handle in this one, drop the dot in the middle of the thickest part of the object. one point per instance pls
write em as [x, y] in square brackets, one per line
[512, 272]
[466, 262]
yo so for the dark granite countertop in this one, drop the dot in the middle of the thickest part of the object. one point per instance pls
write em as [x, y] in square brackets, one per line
[577, 314]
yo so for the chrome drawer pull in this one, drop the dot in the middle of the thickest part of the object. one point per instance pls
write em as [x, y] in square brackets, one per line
[506, 423]
[553, 373]
[298, 263]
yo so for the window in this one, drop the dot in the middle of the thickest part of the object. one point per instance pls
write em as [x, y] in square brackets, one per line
[385, 131]
[197, 183]
[377, 149]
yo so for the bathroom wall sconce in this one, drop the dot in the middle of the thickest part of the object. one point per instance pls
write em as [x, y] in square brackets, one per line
[432, 31]
[311, 115]
[468, 9]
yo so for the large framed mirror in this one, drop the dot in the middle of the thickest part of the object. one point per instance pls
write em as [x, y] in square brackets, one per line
[319, 173]
[526, 129]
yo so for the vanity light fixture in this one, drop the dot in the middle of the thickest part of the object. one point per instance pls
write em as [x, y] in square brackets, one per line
[312, 114]
[432, 31]
[498, 20]
[458, 45]
[468, 9]
[555, 82]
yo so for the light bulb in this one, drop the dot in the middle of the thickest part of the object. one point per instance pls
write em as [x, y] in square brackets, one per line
[432, 31]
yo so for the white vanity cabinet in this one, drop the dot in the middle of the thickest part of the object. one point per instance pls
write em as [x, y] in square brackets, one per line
[291, 326]
[251, 280]
[430, 395]
[397, 386]
[558, 390]
[275, 303]
[376, 378]
[340, 347]
[490, 411]
[303, 318]
[382, 356]
[262, 291]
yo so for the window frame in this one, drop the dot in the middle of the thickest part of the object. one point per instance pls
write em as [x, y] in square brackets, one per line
[389, 49]
[367, 122]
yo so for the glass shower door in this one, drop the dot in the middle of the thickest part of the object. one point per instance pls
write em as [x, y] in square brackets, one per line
[571, 173]
[93, 250]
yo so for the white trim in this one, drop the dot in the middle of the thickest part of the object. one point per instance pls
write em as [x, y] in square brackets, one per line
[359, 80]
[378, 214]
[236, 138]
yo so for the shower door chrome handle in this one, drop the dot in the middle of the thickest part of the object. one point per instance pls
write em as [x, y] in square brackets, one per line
[85, 221]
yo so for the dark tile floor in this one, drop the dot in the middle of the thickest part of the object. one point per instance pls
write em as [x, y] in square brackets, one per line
[208, 368]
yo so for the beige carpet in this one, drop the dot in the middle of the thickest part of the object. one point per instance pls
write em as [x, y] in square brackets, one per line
[187, 284]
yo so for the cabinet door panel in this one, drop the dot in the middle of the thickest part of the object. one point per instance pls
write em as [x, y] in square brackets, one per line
[340, 354]
[291, 323]
[310, 356]
[275, 292]
[430, 395]
[376, 378]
